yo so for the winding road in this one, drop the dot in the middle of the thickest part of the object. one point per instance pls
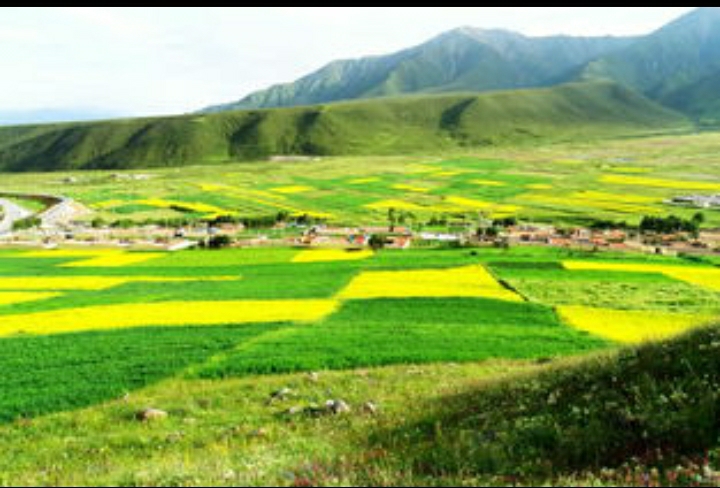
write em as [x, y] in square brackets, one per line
[12, 213]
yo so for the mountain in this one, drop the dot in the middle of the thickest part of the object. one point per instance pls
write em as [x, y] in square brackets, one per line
[389, 126]
[678, 65]
[701, 100]
[461, 60]
[50, 116]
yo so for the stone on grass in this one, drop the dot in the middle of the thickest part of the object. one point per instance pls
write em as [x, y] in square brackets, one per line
[151, 415]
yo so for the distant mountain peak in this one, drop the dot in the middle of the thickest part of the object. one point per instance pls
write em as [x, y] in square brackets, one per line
[466, 59]
[678, 65]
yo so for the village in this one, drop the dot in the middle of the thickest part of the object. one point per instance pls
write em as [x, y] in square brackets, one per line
[64, 223]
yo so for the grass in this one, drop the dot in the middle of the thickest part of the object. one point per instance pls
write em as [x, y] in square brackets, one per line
[613, 419]
[648, 404]
[42, 375]
[385, 332]
[390, 126]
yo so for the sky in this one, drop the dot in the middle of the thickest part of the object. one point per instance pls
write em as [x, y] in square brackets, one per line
[137, 61]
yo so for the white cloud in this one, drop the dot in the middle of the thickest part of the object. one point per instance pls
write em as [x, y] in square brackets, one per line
[175, 59]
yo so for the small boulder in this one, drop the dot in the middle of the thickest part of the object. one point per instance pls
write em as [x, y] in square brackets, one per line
[151, 415]
[280, 396]
[370, 408]
[295, 411]
[313, 377]
[337, 407]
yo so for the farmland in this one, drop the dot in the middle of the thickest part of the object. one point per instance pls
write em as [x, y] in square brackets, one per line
[90, 336]
[619, 180]
[244, 312]
[98, 334]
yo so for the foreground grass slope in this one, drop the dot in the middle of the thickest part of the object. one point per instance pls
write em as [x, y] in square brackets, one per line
[634, 417]
[410, 125]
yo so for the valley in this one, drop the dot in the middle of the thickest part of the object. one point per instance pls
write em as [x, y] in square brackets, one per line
[490, 259]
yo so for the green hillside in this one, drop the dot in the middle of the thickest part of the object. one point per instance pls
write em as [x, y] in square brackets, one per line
[380, 127]
[674, 65]
[463, 60]
[673, 58]
[701, 100]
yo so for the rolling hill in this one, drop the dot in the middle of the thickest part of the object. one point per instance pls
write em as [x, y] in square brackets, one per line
[464, 59]
[386, 126]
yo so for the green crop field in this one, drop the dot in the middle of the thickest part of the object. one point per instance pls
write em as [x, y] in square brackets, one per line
[92, 325]
[620, 180]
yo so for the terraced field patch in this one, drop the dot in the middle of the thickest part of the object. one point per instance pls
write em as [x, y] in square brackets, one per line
[472, 281]
[631, 327]
[170, 314]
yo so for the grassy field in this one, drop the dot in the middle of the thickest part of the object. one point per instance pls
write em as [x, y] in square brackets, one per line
[635, 418]
[561, 183]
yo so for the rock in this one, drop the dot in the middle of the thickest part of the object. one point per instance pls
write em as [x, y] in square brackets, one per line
[259, 433]
[370, 408]
[151, 415]
[294, 411]
[338, 407]
[280, 396]
[313, 377]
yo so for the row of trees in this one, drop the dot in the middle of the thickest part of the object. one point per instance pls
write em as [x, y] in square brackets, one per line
[672, 225]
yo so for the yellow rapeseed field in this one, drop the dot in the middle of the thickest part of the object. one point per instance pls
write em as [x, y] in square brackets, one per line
[703, 277]
[539, 186]
[293, 190]
[95, 258]
[263, 198]
[600, 196]
[364, 181]
[331, 255]
[631, 327]
[447, 174]
[660, 183]
[118, 260]
[201, 208]
[634, 170]
[13, 298]
[467, 282]
[581, 200]
[88, 283]
[109, 204]
[490, 183]
[411, 188]
[468, 203]
[396, 204]
[169, 314]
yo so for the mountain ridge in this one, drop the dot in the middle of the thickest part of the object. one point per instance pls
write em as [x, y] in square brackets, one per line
[664, 65]
[446, 63]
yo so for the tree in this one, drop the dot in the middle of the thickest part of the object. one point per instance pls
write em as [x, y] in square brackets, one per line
[98, 223]
[392, 219]
[220, 242]
[377, 242]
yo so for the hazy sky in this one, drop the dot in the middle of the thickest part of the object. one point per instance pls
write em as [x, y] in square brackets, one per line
[154, 60]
